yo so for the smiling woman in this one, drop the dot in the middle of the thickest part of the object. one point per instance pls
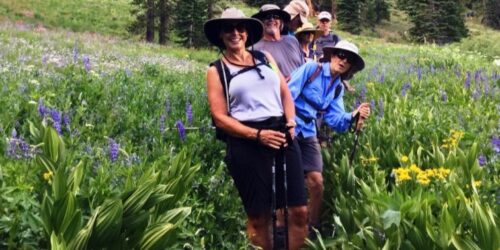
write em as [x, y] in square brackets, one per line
[251, 104]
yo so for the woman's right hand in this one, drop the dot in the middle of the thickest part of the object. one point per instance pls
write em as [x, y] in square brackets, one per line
[272, 138]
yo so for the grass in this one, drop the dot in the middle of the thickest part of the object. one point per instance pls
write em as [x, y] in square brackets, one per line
[109, 17]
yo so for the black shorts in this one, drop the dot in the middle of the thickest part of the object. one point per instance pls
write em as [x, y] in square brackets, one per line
[250, 164]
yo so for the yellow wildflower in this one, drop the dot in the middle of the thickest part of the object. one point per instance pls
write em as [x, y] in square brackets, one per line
[404, 158]
[423, 181]
[415, 169]
[47, 175]
[370, 85]
[373, 159]
[477, 183]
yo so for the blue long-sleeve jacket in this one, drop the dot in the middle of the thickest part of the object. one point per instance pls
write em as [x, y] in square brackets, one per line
[320, 94]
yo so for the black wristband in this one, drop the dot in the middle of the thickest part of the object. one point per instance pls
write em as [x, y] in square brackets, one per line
[257, 138]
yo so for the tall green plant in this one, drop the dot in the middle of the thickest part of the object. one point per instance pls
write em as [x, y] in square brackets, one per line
[143, 217]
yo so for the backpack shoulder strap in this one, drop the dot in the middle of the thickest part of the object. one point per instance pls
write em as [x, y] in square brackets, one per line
[259, 55]
[223, 70]
[314, 75]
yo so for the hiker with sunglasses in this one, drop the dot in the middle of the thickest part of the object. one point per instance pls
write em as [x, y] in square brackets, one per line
[317, 89]
[285, 49]
[306, 36]
[252, 107]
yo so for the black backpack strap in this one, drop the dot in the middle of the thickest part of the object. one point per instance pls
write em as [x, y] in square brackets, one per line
[219, 65]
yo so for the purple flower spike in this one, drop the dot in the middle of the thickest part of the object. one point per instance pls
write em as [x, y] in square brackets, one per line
[56, 118]
[419, 73]
[496, 144]
[482, 160]
[167, 105]
[41, 108]
[113, 150]
[189, 113]
[382, 78]
[182, 130]
[372, 104]
[467, 80]
[86, 63]
[75, 53]
[405, 87]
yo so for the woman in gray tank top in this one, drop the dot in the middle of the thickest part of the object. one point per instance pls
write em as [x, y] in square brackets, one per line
[259, 105]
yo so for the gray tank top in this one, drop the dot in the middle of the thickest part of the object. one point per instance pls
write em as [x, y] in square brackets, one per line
[252, 98]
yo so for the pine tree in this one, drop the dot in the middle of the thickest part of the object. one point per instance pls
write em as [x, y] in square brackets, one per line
[349, 15]
[436, 21]
[190, 17]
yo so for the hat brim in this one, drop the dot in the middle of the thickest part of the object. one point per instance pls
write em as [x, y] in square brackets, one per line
[328, 52]
[283, 14]
[212, 29]
[317, 33]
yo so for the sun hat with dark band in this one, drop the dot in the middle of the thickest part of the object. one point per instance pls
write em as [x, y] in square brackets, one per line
[349, 47]
[214, 26]
[268, 9]
[308, 27]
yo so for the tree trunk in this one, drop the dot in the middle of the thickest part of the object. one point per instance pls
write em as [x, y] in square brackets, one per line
[150, 21]
[210, 9]
[334, 9]
[163, 15]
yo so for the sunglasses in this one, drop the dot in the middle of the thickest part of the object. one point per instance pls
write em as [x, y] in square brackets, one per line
[272, 16]
[229, 27]
[324, 20]
[346, 55]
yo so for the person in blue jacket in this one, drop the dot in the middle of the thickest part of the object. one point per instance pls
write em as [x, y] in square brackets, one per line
[317, 88]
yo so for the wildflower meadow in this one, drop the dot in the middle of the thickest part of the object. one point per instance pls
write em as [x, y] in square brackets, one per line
[108, 143]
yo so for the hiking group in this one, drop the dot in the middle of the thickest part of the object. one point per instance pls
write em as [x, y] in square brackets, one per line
[277, 74]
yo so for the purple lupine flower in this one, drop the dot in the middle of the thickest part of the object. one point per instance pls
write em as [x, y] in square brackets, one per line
[419, 73]
[25, 148]
[12, 147]
[467, 80]
[380, 108]
[128, 72]
[476, 94]
[444, 96]
[14, 133]
[496, 144]
[44, 60]
[357, 102]
[86, 63]
[66, 119]
[433, 70]
[162, 123]
[42, 110]
[56, 118]
[372, 104]
[181, 129]
[189, 113]
[486, 87]
[362, 93]
[404, 88]
[75, 53]
[382, 78]
[482, 160]
[113, 150]
[477, 76]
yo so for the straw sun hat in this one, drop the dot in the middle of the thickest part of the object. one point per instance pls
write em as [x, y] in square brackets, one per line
[214, 26]
[308, 27]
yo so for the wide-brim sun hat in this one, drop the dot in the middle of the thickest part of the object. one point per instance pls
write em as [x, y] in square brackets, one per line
[298, 7]
[308, 27]
[267, 9]
[253, 26]
[347, 46]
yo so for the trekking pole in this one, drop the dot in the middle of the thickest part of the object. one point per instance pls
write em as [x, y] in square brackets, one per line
[285, 184]
[273, 201]
[356, 132]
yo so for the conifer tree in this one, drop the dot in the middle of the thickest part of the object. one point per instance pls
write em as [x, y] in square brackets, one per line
[349, 15]
[189, 20]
